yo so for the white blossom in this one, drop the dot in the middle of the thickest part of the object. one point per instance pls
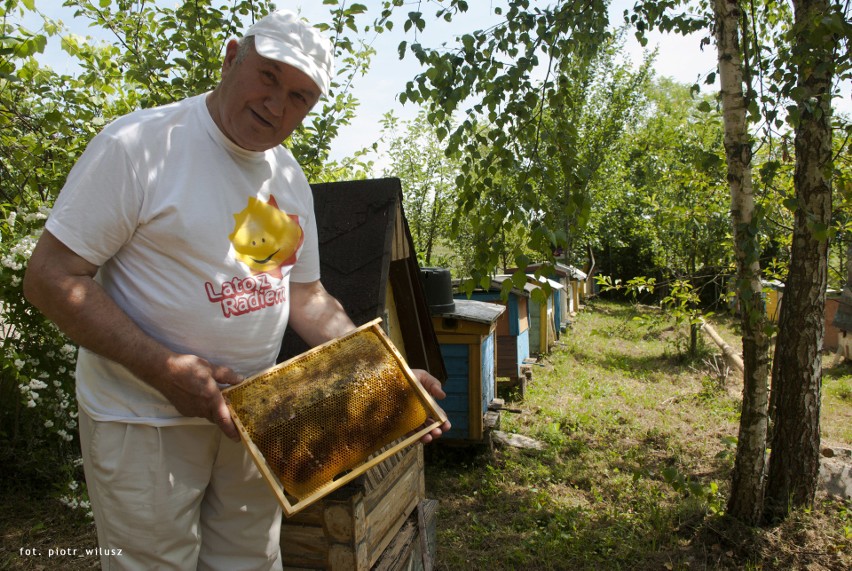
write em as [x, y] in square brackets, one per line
[37, 385]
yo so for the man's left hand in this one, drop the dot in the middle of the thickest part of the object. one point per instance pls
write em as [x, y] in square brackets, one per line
[434, 388]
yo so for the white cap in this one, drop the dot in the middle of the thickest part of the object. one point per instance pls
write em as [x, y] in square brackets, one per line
[282, 36]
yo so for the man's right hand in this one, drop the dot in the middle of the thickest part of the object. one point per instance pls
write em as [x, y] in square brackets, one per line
[192, 385]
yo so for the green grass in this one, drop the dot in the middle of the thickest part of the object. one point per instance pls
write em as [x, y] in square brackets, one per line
[640, 447]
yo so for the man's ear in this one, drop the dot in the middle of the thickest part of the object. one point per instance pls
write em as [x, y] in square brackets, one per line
[230, 55]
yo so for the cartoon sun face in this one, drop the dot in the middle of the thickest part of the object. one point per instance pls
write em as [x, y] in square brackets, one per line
[265, 237]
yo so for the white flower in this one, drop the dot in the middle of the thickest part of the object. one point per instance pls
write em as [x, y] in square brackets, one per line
[33, 216]
[19, 364]
[31, 403]
[48, 424]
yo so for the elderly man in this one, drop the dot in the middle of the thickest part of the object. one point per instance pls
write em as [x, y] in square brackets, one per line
[180, 248]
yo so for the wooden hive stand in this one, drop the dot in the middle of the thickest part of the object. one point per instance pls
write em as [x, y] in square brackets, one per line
[351, 529]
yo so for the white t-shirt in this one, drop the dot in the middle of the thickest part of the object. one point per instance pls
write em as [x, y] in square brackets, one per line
[197, 240]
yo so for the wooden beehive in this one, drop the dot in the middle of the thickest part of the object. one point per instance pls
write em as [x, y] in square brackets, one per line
[513, 326]
[467, 338]
[314, 422]
[351, 528]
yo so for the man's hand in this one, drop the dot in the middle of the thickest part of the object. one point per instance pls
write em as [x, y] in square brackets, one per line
[433, 387]
[192, 385]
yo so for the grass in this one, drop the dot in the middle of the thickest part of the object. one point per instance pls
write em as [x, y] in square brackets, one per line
[634, 476]
[640, 447]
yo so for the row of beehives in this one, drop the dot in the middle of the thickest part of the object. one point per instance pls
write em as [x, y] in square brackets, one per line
[486, 338]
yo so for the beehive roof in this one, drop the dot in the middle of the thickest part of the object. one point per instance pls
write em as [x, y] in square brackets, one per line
[365, 245]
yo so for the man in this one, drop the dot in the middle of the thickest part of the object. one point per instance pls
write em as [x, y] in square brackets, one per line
[180, 248]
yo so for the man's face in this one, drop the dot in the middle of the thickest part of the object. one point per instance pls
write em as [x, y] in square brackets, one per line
[260, 101]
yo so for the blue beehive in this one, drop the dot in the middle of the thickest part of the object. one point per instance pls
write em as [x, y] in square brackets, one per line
[513, 326]
[467, 337]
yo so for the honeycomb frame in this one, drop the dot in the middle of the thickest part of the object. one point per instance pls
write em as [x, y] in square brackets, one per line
[289, 416]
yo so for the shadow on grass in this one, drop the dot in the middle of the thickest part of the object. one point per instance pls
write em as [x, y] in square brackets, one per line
[555, 510]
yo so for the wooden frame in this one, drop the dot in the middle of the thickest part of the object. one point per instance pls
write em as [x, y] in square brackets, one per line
[433, 411]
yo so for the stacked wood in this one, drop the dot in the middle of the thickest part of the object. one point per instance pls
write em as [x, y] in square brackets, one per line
[413, 548]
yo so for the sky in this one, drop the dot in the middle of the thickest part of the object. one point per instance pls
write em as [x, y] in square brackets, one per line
[679, 58]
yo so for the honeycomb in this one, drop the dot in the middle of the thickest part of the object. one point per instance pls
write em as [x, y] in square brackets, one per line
[322, 414]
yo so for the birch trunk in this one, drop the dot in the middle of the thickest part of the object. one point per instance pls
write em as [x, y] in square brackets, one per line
[746, 500]
[794, 462]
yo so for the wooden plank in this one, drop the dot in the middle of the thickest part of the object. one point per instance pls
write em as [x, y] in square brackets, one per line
[346, 558]
[523, 314]
[451, 339]
[414, 547]
[475, 393]
[453, 325]
[304, 547]
[394, 327]
[400, 243]
[407, 462]
[397, 555]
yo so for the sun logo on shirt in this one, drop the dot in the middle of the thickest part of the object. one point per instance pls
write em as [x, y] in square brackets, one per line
[265, 238]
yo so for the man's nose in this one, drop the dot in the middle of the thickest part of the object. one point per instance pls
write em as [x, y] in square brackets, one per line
[276, 103]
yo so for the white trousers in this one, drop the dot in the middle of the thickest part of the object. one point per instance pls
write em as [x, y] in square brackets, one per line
[177, 497]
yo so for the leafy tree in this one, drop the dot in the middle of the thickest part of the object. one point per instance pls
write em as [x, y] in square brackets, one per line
[510, 75]
[663, 209]
[428, 177]
[779, 72]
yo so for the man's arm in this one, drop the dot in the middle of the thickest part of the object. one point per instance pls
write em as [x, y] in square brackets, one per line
[315, 314]
[318, 317]
[61, 285]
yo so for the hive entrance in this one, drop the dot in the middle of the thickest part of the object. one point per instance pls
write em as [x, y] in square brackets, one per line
[312, 422]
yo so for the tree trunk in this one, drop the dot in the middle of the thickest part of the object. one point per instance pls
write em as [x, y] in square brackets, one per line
[746, 501]
[794, 462]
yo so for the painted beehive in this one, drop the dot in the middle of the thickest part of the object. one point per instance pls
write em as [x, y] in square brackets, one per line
[542, 323]
[468, 344]
[513, 325]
